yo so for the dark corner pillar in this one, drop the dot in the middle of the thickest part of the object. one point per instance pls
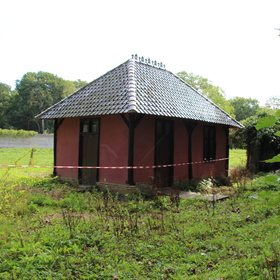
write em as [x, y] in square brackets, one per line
[132, 122]
[130, 162]
[226, 129]
[190, 125]
[57, 123]
[54, 146]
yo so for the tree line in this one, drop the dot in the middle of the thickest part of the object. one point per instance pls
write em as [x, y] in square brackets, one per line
[239, 108]
[36, 92]
[260, 145]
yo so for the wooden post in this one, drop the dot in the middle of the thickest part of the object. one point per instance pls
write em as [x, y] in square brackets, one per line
[130, 162]
[54, 146]
[131, 124]
[57, 123]
[226, 129]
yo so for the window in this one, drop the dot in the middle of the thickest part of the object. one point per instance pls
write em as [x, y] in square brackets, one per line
[90, 126]
[209, 142]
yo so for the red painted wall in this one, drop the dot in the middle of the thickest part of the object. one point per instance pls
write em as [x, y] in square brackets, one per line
[209, 169]
[113, 149]
[144, 149]
[144, 141]
[67, 147]
[180, 150]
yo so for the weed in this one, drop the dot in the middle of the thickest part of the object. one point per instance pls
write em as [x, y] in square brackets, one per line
[42, 200]
[272, 262]
[71, 220]
[240, 177]
[260, 183]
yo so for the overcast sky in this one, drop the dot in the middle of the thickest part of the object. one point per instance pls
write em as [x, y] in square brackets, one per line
[232, 43]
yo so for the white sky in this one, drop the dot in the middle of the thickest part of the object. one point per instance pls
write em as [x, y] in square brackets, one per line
[233, 43]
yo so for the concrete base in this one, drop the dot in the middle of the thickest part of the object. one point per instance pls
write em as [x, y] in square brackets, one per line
[142, 188]
[124, 189]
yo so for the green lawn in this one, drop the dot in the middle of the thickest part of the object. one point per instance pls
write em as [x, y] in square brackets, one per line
[19, 156]
[237, 157]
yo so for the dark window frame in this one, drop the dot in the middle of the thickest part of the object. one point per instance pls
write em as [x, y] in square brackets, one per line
[91, 122]
[209, 142]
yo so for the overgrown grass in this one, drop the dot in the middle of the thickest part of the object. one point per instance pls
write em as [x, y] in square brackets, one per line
[50, 230]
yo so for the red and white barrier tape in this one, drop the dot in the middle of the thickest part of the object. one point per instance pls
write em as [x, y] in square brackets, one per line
[115, 167]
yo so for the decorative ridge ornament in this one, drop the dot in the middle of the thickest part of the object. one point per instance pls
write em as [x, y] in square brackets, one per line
[148, 61]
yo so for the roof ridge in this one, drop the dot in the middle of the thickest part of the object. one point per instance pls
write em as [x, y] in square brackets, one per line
[131, 93]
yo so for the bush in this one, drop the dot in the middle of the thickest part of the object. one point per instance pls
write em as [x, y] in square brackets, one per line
[240, 174]
[17, 133]
[189, 185]
[261, 184]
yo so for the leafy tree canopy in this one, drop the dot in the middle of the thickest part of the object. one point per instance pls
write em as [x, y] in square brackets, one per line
[204, 86]
[37, 92]
[244, 107]
[79, 83]
[4, 89]
[7, 97]
[271, 122]
[250, 136]
[273, 103]
[260, 137]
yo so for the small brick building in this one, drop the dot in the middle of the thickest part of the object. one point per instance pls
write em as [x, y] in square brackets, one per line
[139, 114]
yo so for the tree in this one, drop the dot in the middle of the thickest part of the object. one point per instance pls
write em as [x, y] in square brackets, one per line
[79, 83]
[271, 122]
[6, 100]
[204, 86]
[37, 92]
[273, 103]
[261, 144]
[244, 107]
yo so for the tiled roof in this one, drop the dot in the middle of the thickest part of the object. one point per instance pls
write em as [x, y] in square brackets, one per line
[135, 86]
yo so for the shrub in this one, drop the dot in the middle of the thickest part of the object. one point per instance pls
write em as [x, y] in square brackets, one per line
[189, 185]
[17, 133]
[240, 175]
[262, 184]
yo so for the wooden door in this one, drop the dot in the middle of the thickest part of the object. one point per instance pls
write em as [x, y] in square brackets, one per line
[164, 149]
[89, 146]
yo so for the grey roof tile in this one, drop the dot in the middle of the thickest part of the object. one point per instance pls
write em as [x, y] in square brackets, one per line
[142, 88]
